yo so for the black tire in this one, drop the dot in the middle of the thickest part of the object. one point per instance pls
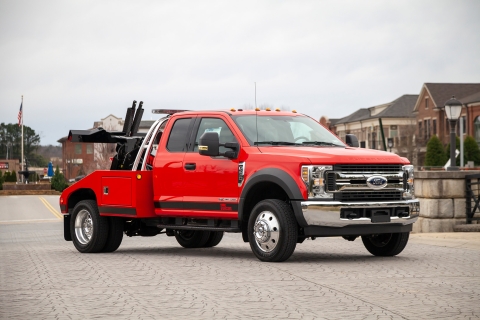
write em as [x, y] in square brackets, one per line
[115, 234]
[386, 245]
[214, 239]
[91, 233]
[192, 238]
[272, 231]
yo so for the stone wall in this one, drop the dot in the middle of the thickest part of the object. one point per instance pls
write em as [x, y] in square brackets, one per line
[30, 186]
[442, 200]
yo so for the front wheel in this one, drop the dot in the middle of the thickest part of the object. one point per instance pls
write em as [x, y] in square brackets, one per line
[88, 229]
[387, 244]
[272, 231]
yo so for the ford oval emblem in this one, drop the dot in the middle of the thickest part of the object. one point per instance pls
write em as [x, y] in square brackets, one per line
[377, 182]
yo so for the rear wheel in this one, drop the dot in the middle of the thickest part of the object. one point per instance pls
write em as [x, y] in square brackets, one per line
[214, 239]
[115, 234]
[88, 229]
[192, 238]
[387, 244]
[272, 231]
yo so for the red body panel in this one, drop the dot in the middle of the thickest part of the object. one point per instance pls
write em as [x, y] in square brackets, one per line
[210, 190]
[128, 196]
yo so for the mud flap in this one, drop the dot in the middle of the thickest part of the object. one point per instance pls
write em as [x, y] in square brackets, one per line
[66, 228]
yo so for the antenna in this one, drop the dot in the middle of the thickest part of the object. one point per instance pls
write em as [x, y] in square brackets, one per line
[255, 95]
[256, 112]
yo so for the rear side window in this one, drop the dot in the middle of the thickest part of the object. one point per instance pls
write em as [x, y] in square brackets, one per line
[177, 141]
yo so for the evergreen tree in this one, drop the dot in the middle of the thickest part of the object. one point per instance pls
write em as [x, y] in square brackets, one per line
[471, 151]
[6, 177]
[13, 176]
[58, 181]
[435, 155]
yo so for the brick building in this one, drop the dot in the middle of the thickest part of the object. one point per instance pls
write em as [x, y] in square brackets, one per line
[397, 120]
[75, 156]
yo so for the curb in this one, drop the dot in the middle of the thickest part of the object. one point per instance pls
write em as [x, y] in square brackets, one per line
[28, 192]
[467, 228]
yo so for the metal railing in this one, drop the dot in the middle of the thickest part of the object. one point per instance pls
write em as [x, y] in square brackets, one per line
[472, 184]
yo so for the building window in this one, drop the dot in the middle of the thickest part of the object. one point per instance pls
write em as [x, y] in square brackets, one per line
[393, 131]
[476, 126]
[428, 129]
[426, 103]
[78, 148]
[434, 126]
[374, 140]
[89, 148]
[420, 132]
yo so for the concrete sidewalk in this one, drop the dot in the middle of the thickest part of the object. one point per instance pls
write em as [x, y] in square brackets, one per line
[466, 240]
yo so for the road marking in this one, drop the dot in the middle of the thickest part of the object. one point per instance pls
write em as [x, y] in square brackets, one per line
[49, 207]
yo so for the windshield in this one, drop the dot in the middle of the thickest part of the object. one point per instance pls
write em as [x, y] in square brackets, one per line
[285, 130]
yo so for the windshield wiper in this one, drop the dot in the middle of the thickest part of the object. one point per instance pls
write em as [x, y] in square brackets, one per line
[278, 143]
[322, 143]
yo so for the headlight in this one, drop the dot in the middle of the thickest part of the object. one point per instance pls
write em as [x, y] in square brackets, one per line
[315, 181]
[408, 182]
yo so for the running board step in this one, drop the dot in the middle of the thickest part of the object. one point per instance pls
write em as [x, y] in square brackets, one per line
[205, 228]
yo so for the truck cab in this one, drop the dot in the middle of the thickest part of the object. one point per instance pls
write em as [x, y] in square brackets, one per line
[276, 177]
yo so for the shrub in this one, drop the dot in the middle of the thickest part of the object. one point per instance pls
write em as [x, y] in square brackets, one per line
[471, 151]
[435, 155]
[58, 181]
[12, 177]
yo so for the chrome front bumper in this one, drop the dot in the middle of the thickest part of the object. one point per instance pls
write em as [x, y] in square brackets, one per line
[327, 213]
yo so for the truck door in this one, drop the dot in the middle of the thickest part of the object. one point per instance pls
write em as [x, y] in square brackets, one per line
[168, 167]
[211, 183]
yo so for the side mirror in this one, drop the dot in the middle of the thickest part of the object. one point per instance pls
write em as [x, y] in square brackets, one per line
[351, 140]
[209, 144]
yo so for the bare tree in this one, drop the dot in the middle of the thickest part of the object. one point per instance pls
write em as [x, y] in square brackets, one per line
[408, 144]
[102, 154]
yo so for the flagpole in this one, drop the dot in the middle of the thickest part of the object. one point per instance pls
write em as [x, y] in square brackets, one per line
[21, 160]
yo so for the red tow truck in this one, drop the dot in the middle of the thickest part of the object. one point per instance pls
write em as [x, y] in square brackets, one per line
[276, 177]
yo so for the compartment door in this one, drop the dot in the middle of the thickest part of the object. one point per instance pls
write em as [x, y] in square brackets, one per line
[117, 191]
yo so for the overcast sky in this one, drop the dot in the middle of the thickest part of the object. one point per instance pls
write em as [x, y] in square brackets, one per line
[76, 62]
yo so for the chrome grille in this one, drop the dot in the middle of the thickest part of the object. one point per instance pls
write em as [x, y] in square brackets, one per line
[349, 182]
[368, 196]
[366, 168]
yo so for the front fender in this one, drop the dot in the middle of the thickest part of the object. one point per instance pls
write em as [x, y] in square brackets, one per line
[282, 179]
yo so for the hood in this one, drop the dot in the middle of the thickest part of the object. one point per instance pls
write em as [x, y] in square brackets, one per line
[336, 155]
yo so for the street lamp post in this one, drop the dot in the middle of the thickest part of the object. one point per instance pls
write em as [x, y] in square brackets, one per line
[453, 109]
[390, 143]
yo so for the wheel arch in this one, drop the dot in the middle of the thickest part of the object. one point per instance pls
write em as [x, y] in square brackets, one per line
[269, 183]
[79, 195]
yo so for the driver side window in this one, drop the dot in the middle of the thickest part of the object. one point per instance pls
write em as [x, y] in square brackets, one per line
[215, 125]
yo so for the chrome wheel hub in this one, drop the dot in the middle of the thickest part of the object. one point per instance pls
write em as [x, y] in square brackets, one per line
[266, 231]
[83, 226]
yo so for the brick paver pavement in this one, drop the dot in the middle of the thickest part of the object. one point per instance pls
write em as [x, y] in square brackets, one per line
[44, 277]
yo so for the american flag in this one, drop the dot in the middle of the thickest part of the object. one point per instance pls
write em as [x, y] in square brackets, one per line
[20, 115]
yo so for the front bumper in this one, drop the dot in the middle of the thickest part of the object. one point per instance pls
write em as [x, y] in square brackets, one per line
[327, 213]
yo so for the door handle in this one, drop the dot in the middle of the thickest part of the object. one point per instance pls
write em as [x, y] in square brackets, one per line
[190, 166]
